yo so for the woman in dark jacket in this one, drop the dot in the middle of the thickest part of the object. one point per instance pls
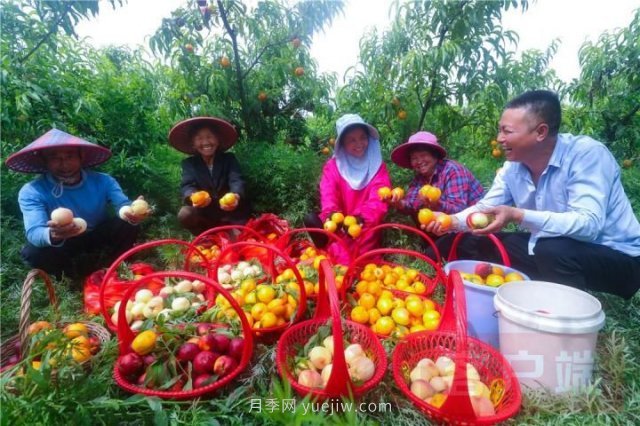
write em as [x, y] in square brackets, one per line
[212, 170]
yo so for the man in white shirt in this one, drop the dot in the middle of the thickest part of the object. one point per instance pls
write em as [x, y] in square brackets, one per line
[566, 191]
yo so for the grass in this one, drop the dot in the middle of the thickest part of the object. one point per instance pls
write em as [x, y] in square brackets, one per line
[83, 398]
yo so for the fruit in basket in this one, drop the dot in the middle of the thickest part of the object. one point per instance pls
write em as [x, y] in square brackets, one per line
[482, 406]
[203, 362]
[39, 326]
[330, 226]
[224, 365]
[483, 270]
[320, 357]
[513, 276]
[422, 389]
[76, 329]
[62, 216]
[130, 365]
[203, 380]
[445, 365]
[144, 342]
[311, 379]
[187, 352]
[494, 280]
[478, 220]
[236, 348]
[361, 369]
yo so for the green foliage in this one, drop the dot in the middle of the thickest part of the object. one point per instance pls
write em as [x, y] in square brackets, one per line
[607, 95]
[240, 63]
[280, 178]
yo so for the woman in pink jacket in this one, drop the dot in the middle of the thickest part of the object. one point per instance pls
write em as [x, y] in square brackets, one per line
[349, 185]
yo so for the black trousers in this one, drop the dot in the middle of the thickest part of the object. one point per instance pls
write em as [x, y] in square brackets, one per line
[561, 260]
[81, 255]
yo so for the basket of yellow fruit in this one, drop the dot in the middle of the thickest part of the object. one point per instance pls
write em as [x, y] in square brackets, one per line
[481, 282]
[453, 378]
[45, 345]
[393, 312]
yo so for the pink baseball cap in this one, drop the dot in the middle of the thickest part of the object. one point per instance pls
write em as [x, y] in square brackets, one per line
[400, 155]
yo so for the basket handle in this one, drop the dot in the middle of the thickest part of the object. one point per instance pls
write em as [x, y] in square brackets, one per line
[350, 275]
[126, 334]
[410, 229]
[459, 399]
[453, 253]
[283, 242]
[329, 307]
[116, 263]
[25, 304]
[302, 306]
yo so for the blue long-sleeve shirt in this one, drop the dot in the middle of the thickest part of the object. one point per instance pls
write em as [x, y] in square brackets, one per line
[579, 195]
[88, 199]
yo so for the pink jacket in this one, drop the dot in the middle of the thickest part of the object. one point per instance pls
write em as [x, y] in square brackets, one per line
[337, 196]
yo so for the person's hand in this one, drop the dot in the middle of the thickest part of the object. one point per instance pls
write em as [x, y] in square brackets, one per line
[436, 227]
[126, 213]
[395, 201]
[503, 216]
[231, 206]
[62, 232]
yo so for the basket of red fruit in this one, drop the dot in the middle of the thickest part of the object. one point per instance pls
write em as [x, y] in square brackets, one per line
[453, 378]
[184, 360]
[327, 357]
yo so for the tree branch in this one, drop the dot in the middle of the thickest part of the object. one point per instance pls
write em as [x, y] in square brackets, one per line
[53, 29]
[262, 52]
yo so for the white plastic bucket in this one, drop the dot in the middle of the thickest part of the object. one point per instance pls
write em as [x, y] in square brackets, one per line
[548, 333]
[482, 323]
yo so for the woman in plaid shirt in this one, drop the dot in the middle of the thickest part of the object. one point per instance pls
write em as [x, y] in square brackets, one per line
[422, 153]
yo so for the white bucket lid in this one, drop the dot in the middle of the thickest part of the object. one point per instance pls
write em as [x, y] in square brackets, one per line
[550, 307]
[469, 266]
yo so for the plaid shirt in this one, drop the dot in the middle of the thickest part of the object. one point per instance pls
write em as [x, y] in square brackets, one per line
[460, 189]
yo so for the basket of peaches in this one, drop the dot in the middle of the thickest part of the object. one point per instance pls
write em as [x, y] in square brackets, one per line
[327, 357]
[48, 348]
[186, 359]
[270, 304]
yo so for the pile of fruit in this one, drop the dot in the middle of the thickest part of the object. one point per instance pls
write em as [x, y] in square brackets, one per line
[408, 280]
[180, 300]
[389, 315]
[51, 345]
[231, 276]
[183, 359]
[210, 253]
[432, 382]
[490, 275]
[308, 268]
[338, 222]
[264, 305]
[314, 364]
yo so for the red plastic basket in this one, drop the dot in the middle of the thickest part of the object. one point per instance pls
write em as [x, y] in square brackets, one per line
[267, 334]
[110, 275]
[409, 229]
[222, 236]
[451, 340]
[286, 244]
[126, 335]
[453, 252]
[339, 383]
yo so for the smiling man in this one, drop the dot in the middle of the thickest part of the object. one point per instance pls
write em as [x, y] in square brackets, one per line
[566, 191]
